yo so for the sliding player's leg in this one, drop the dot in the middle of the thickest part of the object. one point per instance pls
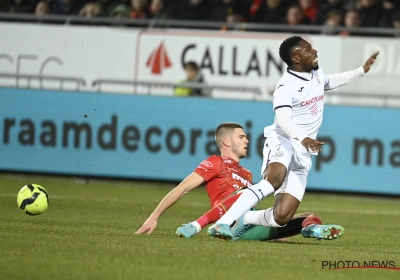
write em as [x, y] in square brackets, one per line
[293, 227]
[309, 227]
[191, 229]
[277, 156]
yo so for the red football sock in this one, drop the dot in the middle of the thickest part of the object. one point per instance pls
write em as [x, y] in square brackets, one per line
[217, 211]
[311, 220]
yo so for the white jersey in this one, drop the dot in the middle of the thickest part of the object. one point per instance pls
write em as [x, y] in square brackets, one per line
[306, 98]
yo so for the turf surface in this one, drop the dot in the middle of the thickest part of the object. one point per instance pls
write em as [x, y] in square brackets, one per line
[88, 233]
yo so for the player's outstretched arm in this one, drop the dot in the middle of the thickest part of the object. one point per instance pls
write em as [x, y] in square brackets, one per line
[340, 79]
[367, 65]
[189, 183]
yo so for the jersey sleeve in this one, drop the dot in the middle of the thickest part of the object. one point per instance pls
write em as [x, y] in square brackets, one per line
[209, 168]
[282, 97]
[326, 78]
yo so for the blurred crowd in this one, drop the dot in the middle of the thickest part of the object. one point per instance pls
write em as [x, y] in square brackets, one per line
[328, 13]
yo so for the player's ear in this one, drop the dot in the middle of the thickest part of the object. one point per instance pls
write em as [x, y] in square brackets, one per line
[296, 59]
[226, 142]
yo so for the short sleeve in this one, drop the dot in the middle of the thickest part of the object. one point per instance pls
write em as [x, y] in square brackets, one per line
[282, 97]
[209, 168]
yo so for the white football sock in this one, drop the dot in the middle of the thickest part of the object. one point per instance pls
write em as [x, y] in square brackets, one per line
[262, 218]
[250, 197]
[197, 226]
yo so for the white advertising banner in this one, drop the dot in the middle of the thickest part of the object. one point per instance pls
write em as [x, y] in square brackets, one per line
[52, 50]
[235, 59]
[384, 75]
[226, 58]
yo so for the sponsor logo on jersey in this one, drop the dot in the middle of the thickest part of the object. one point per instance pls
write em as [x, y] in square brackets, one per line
[312, 100]
[314, 110]
[301, 89]
[206, 163]
[241, 179]
[279, 154]
[227, 160]
[232, 170]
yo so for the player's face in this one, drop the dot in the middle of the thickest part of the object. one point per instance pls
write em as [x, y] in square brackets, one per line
[239, 143]
[305, 56]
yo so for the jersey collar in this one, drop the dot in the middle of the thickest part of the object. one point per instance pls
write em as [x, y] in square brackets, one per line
[301, 75]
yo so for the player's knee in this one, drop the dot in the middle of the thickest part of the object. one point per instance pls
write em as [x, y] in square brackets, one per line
[275, 175]
[276, 181]
[282, 217]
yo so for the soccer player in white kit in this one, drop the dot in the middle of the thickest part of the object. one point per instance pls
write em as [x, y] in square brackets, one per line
[298, 104]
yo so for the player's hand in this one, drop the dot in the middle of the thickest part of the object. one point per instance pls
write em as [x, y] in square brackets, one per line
[312, 145]
[149, 226]
[367, 65]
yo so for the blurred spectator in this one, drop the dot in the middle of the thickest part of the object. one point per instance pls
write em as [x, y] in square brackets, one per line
[327, 7]
[233, 16]
[370, 12]
[334, 19]
[193, 75]
[108, 5]
[296, 16]
[223, 8]
[120, 11]
[271, 11]
[389, 8]
[20, 6]
[350, 4]
[195, 10]
[352, 20]
[42, 8]
[67, 7]
[255, 9]
[139, 9]
[310, 9]
[391, 4]
[160, 9]
[396, 23]
[91, 9]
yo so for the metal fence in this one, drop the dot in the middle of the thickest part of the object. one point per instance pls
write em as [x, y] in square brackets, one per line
[163, 88]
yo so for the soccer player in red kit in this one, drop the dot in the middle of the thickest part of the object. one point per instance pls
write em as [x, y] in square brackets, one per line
[222, 175]
[224, 179]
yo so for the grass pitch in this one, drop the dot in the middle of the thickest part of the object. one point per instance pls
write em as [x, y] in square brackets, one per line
[88, 233]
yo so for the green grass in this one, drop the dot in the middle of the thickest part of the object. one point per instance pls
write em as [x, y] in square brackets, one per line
[88, 233]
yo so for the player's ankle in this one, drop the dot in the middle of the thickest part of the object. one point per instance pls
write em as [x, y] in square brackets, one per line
[197, 226]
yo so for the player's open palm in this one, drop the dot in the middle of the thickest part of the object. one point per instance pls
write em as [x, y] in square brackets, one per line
[367, 65]
[149, 226]
[312, 145]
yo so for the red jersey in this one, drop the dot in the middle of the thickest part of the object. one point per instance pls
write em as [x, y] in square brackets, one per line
[223, 176]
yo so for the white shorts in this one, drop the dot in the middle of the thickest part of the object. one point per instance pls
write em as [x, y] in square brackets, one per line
[297, 162]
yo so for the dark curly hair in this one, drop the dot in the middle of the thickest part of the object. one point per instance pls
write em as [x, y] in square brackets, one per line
[286, 48]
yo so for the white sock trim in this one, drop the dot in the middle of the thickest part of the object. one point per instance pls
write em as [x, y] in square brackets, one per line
[262, 189]
[197, 226]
